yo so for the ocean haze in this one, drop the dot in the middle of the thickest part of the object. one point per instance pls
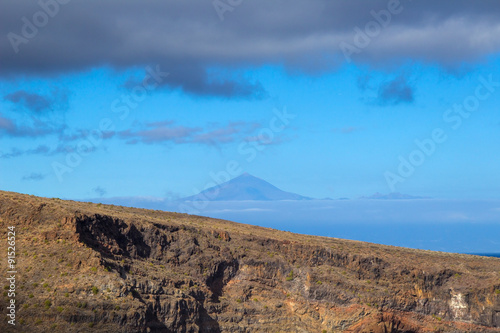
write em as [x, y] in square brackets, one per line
[464, 226]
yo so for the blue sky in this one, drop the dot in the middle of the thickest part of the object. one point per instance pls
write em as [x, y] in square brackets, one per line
[339, 143]
[67, 131]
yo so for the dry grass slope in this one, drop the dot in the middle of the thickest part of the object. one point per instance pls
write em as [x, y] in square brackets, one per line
[85, 267]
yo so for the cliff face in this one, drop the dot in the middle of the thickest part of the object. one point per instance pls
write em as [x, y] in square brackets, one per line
[84, 267]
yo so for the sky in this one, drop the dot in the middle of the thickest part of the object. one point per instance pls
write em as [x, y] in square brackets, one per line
[321, 98]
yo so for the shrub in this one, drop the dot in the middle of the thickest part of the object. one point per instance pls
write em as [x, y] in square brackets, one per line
[81, 305]
[60, 309]
[290, 276]
[95, 290]
[497, 291]
[47, 304]
[239, 300]
[31, 296]
[436, 317]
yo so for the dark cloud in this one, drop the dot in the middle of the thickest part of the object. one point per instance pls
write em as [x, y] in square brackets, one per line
[395, 91]
[188, 40]
[34, 176]
[37, 103]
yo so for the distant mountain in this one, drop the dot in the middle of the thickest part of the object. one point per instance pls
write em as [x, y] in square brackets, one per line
[393, 196]
[245, 187]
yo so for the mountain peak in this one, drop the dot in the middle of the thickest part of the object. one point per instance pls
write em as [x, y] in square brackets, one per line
[245, 187]
[245, 175]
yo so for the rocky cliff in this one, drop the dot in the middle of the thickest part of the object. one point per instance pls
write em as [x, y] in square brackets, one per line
[86, 267]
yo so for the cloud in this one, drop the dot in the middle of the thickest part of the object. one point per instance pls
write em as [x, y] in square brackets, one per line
[34, 102]
[83, 134]
[45, 150]
[168, 131]
[16, 152]
[99, 191]
[160, 133]
[38, 128]
[34, 176]
[265, 140]
[348, 129]
[37, 103]
[364, 82]
[395, 91]
[187, 38]
[388, 92]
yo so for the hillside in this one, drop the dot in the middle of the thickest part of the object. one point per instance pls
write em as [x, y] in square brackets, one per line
[85, 267]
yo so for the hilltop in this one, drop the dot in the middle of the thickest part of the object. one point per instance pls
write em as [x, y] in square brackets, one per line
[86, 267]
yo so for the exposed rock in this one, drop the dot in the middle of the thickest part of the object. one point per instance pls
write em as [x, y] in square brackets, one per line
[86, 267]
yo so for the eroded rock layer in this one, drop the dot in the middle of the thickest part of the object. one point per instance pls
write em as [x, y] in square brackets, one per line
[86, 267]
